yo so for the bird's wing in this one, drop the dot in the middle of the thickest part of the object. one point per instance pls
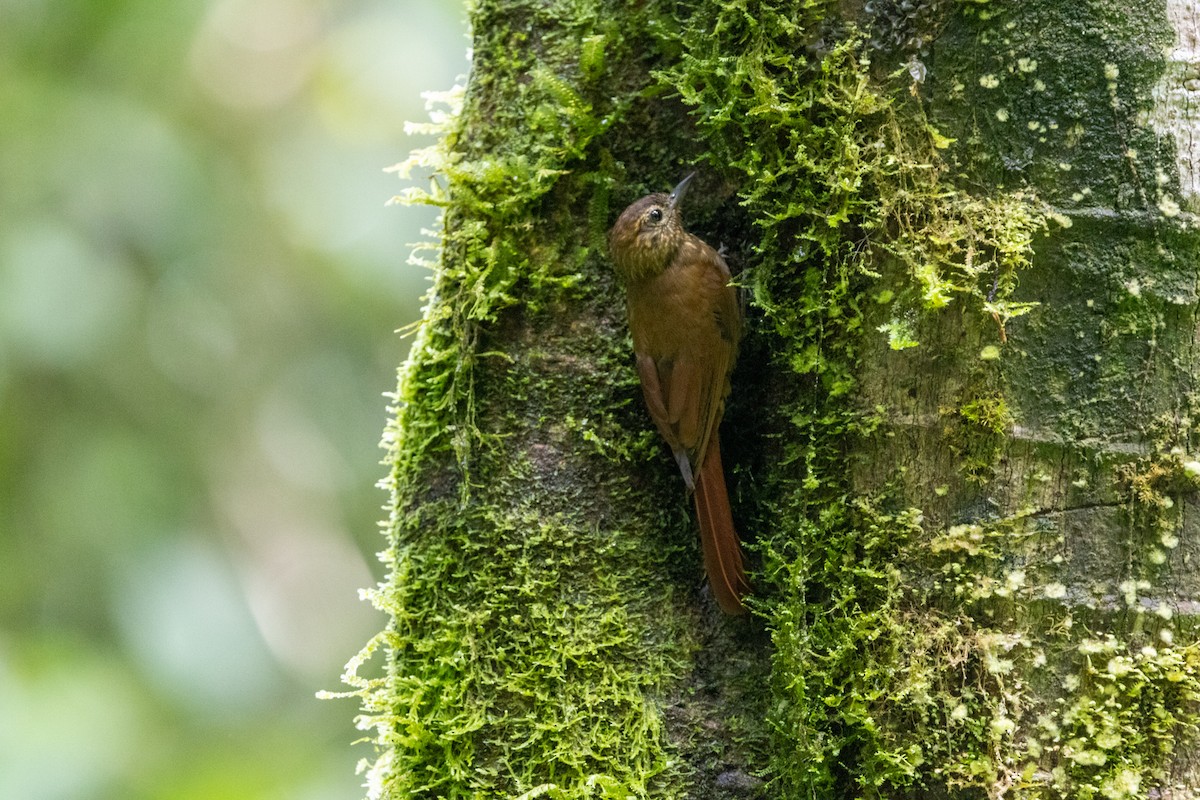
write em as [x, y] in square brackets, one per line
[655, 375]
[721, 342]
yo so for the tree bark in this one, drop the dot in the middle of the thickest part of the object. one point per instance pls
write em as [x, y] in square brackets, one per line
[961, 440]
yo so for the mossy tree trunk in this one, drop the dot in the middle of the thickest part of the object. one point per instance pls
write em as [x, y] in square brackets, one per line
[961, 439]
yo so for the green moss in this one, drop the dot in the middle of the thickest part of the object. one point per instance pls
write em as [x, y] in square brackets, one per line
[976, 432]
[847, 195]
[542, 641]
[536, 629]
[901, 661]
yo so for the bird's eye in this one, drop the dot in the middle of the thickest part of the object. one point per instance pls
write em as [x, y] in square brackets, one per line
[656, 215]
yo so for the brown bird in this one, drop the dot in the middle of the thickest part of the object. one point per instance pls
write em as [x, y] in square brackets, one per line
[685, 321]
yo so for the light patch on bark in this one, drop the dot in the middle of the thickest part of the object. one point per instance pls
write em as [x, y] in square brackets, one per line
[1176, 110]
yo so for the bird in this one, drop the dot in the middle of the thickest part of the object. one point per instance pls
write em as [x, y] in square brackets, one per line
[685, 321]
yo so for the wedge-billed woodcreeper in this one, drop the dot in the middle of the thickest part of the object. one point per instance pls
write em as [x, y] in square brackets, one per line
[685, 322]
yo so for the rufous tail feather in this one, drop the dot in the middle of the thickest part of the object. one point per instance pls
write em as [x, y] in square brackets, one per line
[718, 539]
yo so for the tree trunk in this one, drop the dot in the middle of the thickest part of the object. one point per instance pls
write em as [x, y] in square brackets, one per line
[961, 440]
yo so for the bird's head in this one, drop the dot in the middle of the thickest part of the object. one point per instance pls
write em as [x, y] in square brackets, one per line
[648, 233]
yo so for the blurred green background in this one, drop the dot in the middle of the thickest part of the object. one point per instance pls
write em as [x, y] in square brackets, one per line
[199, 288]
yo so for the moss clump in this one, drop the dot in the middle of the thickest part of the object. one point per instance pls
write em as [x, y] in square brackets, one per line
[507, 680]
[975, 431]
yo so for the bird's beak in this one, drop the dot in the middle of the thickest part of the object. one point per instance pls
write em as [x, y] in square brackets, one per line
[679, 191]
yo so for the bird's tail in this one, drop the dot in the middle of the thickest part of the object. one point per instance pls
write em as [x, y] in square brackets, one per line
[718, 539]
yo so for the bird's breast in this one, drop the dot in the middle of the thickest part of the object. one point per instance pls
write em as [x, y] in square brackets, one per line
[672, 312]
